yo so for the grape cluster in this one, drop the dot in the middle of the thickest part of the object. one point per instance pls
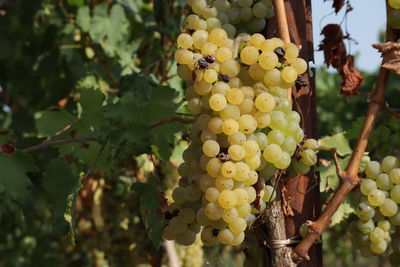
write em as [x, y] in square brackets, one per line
[394, 14]
[244, 129]
[377, 210]
[191, 256]
[235, 17]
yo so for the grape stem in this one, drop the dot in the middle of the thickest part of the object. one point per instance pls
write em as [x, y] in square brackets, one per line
[350, 175]
[387, 108]
[340, 173]
[47, 144]
[168, 120]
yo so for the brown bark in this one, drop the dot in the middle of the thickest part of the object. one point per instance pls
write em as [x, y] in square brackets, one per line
[303, 191]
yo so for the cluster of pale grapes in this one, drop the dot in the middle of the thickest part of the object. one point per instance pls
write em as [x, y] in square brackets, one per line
[245, 131]
[377, 210]
[191, 256]
[171, 178]
[394, 14]
[235, 17]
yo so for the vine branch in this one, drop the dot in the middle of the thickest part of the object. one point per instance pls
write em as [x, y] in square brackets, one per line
[350, 175]
[47, 144]
[168, 120]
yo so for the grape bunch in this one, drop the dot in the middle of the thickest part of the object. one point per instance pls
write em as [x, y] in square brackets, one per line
[235, 17]
[394, 14]
[377, 210]
[245, 128]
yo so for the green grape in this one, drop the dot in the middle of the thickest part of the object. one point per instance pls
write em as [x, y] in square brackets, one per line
[276, 137]
[364, 211]
[378, 248]
[395, 194]
[384, 225]
[377, 235]
[376, 197]
[311, 144]
[395, 4]
[308, 157]
[388, 208]
[238, 226]
[225, 236]
[269, 193]
[373, 169]
[207, 236]
[383, 182]
[367, 185]
[389, 163]
[366, 227]
[300, 168]
[227, 199]
[394, 175]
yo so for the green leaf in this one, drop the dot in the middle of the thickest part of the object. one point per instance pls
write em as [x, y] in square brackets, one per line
[134, 8]
[76, 2]
[83, 18]
[90, 104]
[342, 213]
[60, 186]
[13, 174]
[150, 200]
[51, 121]
[108, 29]
[337, 141]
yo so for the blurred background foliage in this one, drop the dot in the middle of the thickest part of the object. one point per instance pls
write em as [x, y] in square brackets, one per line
[99, 76]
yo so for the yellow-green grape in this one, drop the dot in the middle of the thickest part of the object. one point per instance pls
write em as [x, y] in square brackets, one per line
[213, 167]
[184, 73]
[228, 169]
[248, 92]
[395, 4]
[209, 49]
[272, 153]
[272, 77]
[207, 135]
[237, 239]
[365, 211]
[377, 235]
[218, 36]
[247, 124]
[230, 112]
[378, 248]
[234, 15]
[289, 74]
[183, 56]
[284, 161]
[217, 102]
[299, 64]
[209, 12]
[242, 172]
[376, 197]
[244, 210]
[230, 215]
[230, 127]
[384, 225]
[252, 193]
[223, 54]
[245, 3]
[365, 227]
[224, 183]
[192, 193]
[215, 125]
[395, 193]
[308, 157]
[230, 67]
[300, 168]
[230, 30]
[201, 24]
[265, 102]
[293, 116]
[278, 42]
[225, 236]
[256, 24]
[246, 13]
[211, 148]
[187, 238]
[269, 193]
[210, 76]
[389, 163]
[262, 140]
[268, 45]
[395, 220]
[211, 194]
[178, 195]
[202, 87]
[178, 225]
[249, 55]
[220, 88]
[241, 196]
[367, 185]
[260, 10]
[235, 83]
[201, 217]
[311, 144]
[383, 182]
[237, 139]
[204, 182]
[303, 230]
[222, 5]
[213, 23]
[373, 169]
[207, 236]
[253, 177]
[185, 41]
[187, 215]
[191, 20]
[200, 38]
[238, 226]
[256, 72]
[236, 152]
[394, 175]
[289, 145]
[388, 208]
[251, 148]
[268, 60]
[291, 51]
[263, 119]
[247, 106]
[276, 137]
[256, 40]
[253, 162]
[227, 199]
[235, 96]
[214, 211]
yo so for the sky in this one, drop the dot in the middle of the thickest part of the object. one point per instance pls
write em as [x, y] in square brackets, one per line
[364, 23]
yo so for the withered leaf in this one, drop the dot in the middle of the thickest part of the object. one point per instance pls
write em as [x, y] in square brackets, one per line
[351, 78]
[338, 4]
[333, 45]
[391, 56]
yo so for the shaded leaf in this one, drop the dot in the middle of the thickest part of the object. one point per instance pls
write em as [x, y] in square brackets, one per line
[337, 141]
[342, 213]
[83, 18]
[51, 121]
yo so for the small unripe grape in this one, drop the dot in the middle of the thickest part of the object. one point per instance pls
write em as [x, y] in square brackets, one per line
[311, 144]
[383, 182]
[308, 157]
[366, 227]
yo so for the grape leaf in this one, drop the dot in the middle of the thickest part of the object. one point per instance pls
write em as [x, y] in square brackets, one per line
[134, 7]
[342, 213]
[13, 174]
[83, 18]
[60, 186]
[337, 141]
[51, 121]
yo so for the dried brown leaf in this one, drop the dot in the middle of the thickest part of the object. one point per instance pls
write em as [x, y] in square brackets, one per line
[391, 56]
[333, 45]
[287, 210]
[352, 79]
[338, 4]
